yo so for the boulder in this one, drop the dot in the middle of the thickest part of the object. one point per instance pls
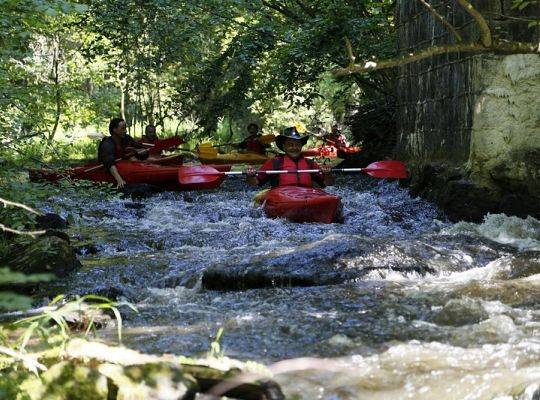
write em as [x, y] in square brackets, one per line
[92, 370]
[333, 260]
[459, 312]
[340, 258]
[46, 254]
[450, 188]
[51, 221]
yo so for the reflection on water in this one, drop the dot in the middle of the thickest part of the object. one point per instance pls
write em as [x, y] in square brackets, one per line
[464, 326]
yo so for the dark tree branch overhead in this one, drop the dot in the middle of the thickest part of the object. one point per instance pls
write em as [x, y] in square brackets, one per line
[485, 36]
[279, 7]
[450, 27]
[485, 45]
[308, 10]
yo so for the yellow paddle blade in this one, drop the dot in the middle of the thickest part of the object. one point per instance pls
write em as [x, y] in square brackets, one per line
[208, 153]
[267, 139]
[206, 150]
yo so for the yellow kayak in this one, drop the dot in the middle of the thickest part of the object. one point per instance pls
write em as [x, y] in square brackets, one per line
[233, 158]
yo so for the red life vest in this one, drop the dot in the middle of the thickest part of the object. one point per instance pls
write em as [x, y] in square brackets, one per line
[253, 144]
[287, 163]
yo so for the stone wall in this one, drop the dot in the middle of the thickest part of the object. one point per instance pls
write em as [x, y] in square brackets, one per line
[472, 120]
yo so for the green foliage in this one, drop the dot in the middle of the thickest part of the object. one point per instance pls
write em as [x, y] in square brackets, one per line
[41, 74]
[215, 346]
[12, 301]
[48, 332]
[55, 323]
[204, 66]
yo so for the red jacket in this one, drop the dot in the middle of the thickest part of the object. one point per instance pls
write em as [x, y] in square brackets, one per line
[252, 143]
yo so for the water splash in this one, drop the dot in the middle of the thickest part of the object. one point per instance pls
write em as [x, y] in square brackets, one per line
[522, 233]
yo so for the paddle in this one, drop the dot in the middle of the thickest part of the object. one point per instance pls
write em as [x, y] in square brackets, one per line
[378, 169]
[163, 144]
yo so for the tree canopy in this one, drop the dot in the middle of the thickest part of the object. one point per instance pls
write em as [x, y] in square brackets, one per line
[191, 65]
[73, 64]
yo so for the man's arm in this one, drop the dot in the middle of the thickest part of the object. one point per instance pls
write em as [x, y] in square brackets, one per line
[106, 156]
[259, 179]
[120, 183]
[106, 153]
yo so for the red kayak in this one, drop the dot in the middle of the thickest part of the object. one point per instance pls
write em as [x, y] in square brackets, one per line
[165, 177]
[300, 204]
[177, 159]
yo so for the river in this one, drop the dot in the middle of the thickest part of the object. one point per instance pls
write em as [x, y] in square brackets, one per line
[396, 301]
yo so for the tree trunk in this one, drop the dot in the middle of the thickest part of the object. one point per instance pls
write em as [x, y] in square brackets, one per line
[56, 82]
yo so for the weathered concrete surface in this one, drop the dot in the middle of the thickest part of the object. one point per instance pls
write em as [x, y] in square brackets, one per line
[505, 135]
[338, 259]
[472, 116]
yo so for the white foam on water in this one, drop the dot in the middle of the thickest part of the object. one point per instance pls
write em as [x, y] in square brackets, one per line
[522, 233]
[422, 371]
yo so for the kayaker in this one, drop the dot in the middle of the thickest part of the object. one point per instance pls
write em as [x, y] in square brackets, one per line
[150, 135]
[119, 146]
[291, 142]
[336, 137]
[253, 143]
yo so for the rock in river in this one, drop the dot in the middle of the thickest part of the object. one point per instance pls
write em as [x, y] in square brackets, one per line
[333, 260]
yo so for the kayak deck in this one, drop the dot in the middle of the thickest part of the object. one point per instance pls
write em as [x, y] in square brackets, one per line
[299, 204]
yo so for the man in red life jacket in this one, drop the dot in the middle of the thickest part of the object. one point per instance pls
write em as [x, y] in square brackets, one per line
[336, 137]
[291, 142]
[252, 142]
[119, 145]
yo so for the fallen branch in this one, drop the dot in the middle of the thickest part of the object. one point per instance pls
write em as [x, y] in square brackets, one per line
[34, 234]
[24, 207]
[281, 367]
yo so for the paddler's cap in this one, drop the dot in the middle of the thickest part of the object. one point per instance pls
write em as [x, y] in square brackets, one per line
[290, 133]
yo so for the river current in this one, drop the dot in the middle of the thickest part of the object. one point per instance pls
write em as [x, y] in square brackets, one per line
[395, 303]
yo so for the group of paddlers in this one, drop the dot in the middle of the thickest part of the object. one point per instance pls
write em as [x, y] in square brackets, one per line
[120, 146]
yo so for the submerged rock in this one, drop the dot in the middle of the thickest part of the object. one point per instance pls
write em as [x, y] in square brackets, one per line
[51, 221]
[140, 190]
[461, 312]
